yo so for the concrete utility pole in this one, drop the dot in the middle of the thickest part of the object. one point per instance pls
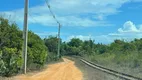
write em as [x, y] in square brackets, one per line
[58, 55]
[25, 36]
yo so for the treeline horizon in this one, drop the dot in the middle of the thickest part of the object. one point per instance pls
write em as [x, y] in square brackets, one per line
[120, 55]
[116, 55]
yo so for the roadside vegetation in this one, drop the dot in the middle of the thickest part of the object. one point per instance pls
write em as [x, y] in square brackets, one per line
[11, 43]
[119, 55]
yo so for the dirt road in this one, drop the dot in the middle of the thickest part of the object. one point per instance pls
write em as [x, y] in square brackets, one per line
[61, 71]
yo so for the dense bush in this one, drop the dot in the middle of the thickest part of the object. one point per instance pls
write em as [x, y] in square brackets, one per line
[10, 60]
[37, 51]
[11, 49]
[77, 47]
[52, 44]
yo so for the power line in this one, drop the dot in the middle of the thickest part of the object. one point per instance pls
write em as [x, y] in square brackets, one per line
[33, 18]
[49, 7]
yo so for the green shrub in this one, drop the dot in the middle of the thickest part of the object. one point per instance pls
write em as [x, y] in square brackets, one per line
[11, 61]
[11, 40]
[37, 51]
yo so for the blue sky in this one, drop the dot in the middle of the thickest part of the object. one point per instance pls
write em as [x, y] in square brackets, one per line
[101, 20]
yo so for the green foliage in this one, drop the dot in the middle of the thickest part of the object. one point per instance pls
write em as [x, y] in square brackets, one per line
[119, 55]
[100, 48]
[52, 43]
[11, 61]
[77, 47]
[10, 48]
[88, 46]
[52, 57]
[138, 44]
[75, 42]
[11, 40]
[37, 51]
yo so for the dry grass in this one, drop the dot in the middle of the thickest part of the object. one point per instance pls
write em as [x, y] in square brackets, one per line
[129, 64]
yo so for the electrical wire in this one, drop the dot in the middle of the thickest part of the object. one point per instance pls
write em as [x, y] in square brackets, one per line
[49, 7]
[33, 18]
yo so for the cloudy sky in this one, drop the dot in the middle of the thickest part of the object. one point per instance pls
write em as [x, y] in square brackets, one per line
[101, 20]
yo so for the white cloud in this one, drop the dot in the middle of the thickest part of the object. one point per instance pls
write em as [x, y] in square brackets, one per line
[69, 12]
[105, 39]
[83, 6]
[129, 32]
[140, 27]
[82, 37]
[128, 26]
[47, 19]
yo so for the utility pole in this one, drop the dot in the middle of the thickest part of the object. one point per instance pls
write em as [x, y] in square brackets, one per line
[25, 36]
[58, 55]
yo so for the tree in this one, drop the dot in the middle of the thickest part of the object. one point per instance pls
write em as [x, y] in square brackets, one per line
[51, 43]
[75, 42]
[88, 46]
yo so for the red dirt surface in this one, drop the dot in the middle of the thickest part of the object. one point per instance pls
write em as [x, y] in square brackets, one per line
[61, 71]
